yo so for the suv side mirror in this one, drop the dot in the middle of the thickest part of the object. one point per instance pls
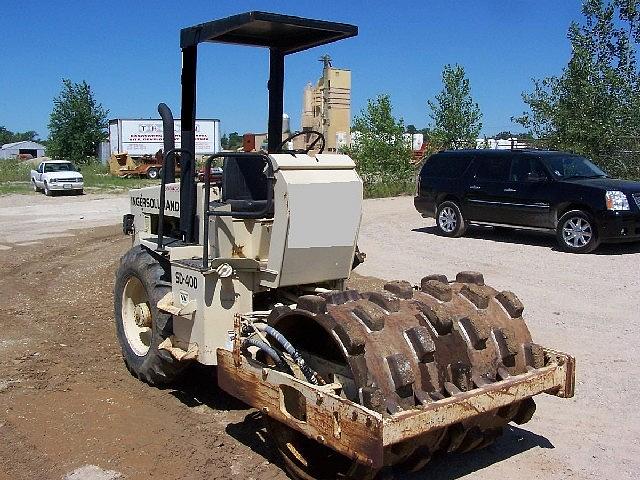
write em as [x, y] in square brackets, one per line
[536, 177]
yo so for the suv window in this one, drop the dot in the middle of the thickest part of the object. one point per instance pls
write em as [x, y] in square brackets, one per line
[445, 166]
[492, 168]
[523, 169]
[572, 166]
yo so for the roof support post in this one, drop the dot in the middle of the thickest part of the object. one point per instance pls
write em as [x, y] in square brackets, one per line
[276, 94]
[188, 142]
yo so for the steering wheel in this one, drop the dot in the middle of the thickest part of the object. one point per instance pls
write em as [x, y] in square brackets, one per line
[303, 150]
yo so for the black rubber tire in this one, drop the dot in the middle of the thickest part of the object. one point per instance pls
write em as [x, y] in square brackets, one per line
[156, 367]
[460, 223]
[152, 173]
[35, 187]
[80, 192]
[47, 192]
[594, 240]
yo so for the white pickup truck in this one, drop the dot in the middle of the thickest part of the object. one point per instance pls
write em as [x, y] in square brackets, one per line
[57, 175]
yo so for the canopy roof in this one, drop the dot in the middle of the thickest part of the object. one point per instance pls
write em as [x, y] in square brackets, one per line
[261, 29]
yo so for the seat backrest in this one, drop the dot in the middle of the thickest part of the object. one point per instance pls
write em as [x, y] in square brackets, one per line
[244, 183]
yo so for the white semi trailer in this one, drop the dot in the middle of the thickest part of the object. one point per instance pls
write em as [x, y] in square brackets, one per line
[143, 137]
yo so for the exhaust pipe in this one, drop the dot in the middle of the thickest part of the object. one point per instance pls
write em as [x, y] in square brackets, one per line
[169, 138]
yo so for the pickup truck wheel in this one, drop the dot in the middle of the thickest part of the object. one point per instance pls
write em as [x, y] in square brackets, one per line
[152, 173]
[35, 187]
[576, 232]
[47, 190]
[141, 281]
[449, 220]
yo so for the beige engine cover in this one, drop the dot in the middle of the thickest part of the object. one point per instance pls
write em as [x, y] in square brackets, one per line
[318, 203]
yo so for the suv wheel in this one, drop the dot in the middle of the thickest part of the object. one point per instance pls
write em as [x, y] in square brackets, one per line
[449, 220]
[576, 232]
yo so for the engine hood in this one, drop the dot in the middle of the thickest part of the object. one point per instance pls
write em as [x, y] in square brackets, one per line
[64, 175]
[626, 186]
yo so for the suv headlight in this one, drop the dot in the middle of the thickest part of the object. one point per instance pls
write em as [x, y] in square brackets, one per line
[53, 180]
[616, 200]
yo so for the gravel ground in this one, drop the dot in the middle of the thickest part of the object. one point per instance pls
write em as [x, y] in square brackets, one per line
[29, 218]
[587, 305]
[68, 407]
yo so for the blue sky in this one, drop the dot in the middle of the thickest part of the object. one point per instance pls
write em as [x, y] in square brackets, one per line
[129, 53]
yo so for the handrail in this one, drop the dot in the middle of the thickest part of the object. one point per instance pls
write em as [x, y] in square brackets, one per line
[163, 183]
[217, 213]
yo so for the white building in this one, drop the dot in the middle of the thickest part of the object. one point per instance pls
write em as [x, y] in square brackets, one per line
[26, 147]
[504, 144]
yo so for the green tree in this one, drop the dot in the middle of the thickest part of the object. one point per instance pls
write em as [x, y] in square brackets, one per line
[379, 149]
[7, 136]
[506, 135]
[456, 118]
[77, 123]
[231, 142]
[593, 107]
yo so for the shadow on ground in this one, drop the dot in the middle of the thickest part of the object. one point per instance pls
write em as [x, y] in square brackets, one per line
[538, 239]
[252, 432]
[199, 386]
[513, 442]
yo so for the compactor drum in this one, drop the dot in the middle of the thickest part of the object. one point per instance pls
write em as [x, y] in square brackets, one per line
[249, 275]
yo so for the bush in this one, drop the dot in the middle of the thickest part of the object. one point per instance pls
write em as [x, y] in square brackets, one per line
[388, 186]
[15, 170]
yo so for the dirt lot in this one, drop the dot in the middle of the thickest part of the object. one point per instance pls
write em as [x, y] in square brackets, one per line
[66, 400]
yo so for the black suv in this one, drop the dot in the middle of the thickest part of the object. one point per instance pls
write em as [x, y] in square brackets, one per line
[532, 189]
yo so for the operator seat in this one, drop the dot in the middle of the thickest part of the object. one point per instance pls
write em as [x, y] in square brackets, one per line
[244, 184]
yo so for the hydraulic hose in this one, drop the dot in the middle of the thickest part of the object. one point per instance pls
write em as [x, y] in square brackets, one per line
[266, 349]
[309, 374]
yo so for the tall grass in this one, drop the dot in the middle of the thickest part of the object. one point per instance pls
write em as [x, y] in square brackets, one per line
[15, 171]
[15, 177]
[97, 178]
[388, 186]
